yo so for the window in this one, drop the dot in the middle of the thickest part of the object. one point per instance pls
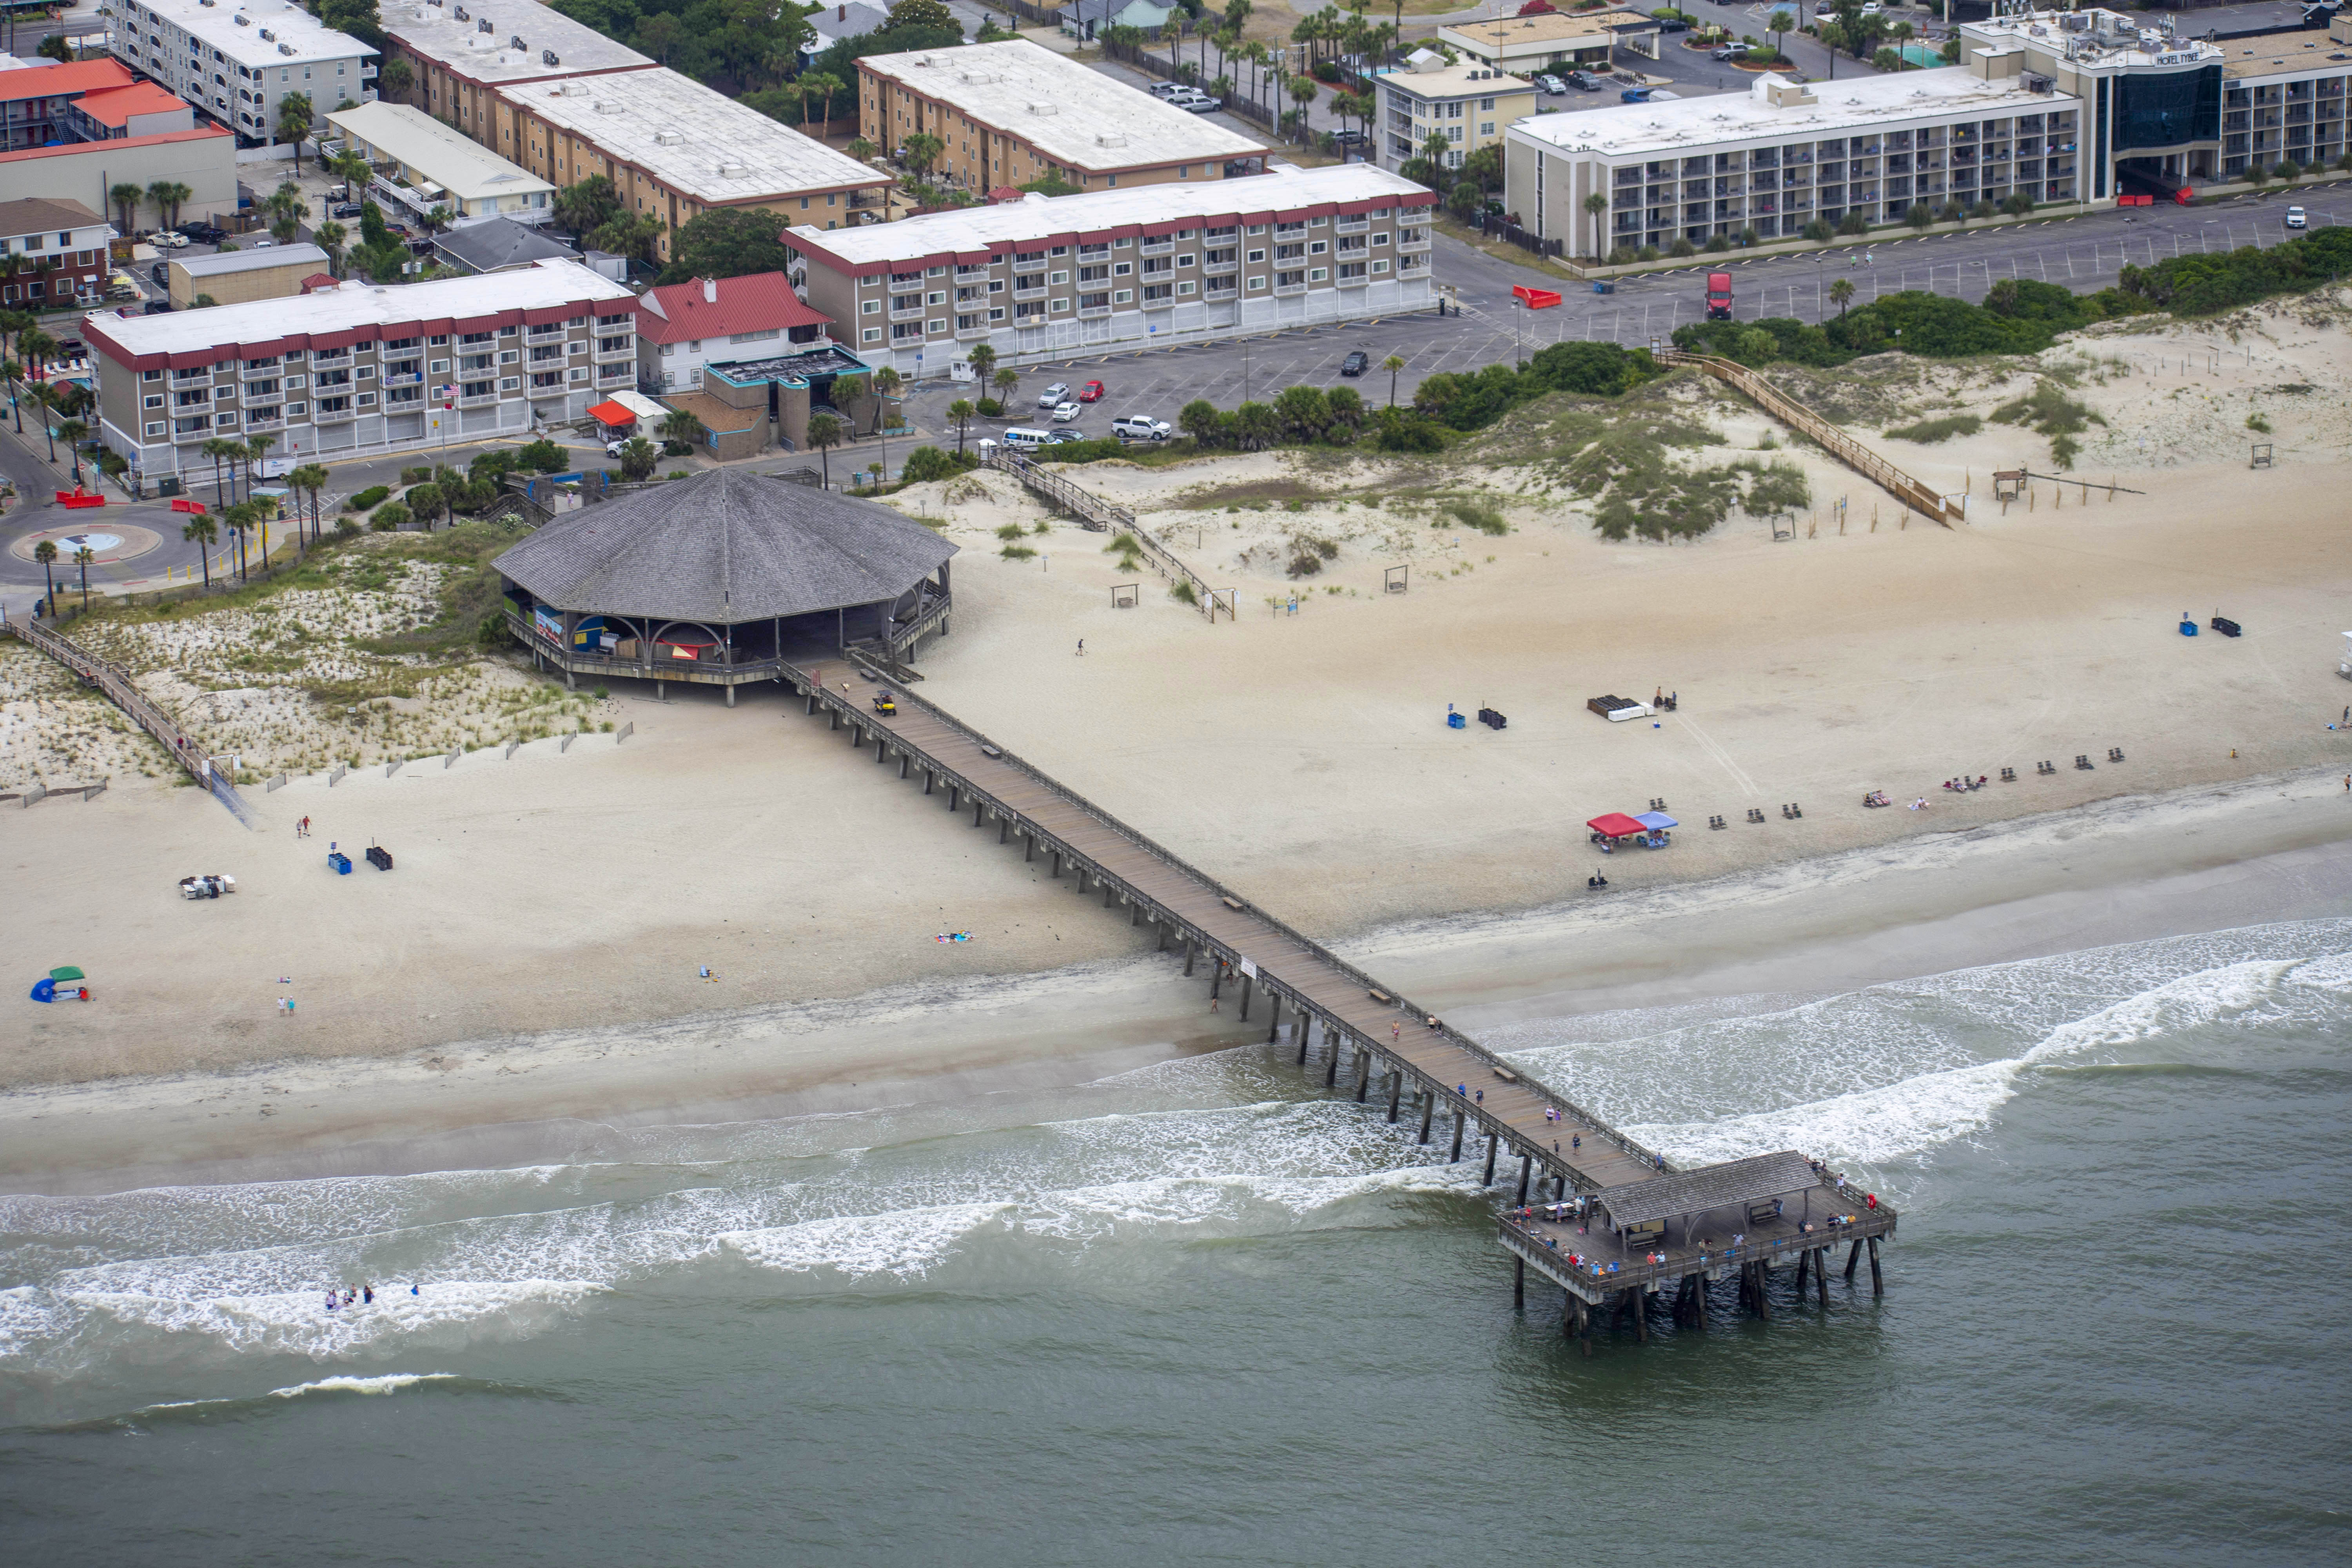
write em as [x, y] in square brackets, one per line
[869, 308]
[1256, 283]
[509, 383]
[1485, 106]
[1486, 128]
[154, 400]
[155, 428]
[151, 375]
[1058, 278]
[870, 335]
[1062, 304]
[1255, 256]
[939, 326]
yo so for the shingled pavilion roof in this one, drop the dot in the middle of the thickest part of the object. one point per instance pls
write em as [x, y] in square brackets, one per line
[1751, 1179]
[724, 547]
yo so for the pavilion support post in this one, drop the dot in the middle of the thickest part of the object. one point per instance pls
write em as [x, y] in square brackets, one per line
[1274, 1016]
[1160, 932]
[811, 695]
[1247, 983]
[1492, 1140]
[906, 764]
[1822, 1277]
[1640, 1313]
[1428, 1110]
[1110, 896]
[658, 698]
[1363, 1071]
[1877, 1280]
[730, 694]
[1805, 1262]
[1518, 1282]
[1854, 1255]
[1134, 913]
[881, 751]
[857, 737]
[1461, 1119]
[1082, 881]
[1331, 1068]
[1190, 950]
[1396, 1094]
[832, 717]
[1569, 1315]
[1028, 847]
[1526, 1169]
[955, 797]
[977, 808]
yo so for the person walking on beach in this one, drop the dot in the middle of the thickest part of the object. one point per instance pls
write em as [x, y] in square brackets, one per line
[1082, 648]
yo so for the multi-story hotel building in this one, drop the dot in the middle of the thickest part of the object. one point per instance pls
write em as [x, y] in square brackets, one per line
[363, 367]
[1784, 154]
[1469, 106]
[1159, 264]
[1012, 113]
[675, 149]
[239, 59]
[462, 53]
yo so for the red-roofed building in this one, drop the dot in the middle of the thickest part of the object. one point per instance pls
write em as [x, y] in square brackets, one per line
[686, 326]
[117, 113]
[34, 100]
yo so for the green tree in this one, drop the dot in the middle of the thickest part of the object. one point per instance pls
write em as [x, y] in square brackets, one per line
[727, 242]
[331, 236]
[45, 552]
[1597, 207]
[125, 197]
[1842, 293]
[680, 427]
[922, 14]
[921, 151]
[294, 119]
[817, 92]
[636, 236]
[43, 397]
[660, 35]
[589, 205]
[887, 382]
[983, 360]
[824, 434]
[309, 479]
[357, 18]
[427, 502]
[221, 451]
[82, 558]
[1393, 364]
[256, 448]
[55, 47]
[203, 533]
[1008, 382]
[389, 518]
[167, 196]
[395, 79]
[638, 458]
[961, 411]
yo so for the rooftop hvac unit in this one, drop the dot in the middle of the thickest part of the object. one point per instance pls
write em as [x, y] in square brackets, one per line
[1044, 106]
[669, 138]
[2036, 83]
[485, 26]
[733, 170]
[548, 58]
[1111, 139]
[268, 36]
[516, 43]
[462, 14]
[242, 20]
[285, 49]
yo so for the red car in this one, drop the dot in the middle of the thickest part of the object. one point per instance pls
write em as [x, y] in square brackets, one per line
[1091, 392]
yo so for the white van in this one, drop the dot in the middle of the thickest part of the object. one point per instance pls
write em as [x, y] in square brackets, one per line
[1021, 440]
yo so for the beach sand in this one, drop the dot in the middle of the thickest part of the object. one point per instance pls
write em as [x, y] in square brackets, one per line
[550, 912]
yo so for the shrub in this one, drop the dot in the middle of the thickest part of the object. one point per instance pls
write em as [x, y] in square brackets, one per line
[1717, 244]
[1326, 71]
[1011, 530]
[1018, 553]
[389, 518]
[1927, 432]
[1984, 209]
[1623, 254]
[544, 457]
[677, 449]
[1853, 222]
[1776, 486]
[1484, 516]
[416, 476]
[2257, 424]
[1817, 231]
[1181, 592]
[1682, 247]
[1748, 238]
[1648, 253]
[1919, 214]
[370, 497]
[989, 408]
[2288, 169]
[2018, 203]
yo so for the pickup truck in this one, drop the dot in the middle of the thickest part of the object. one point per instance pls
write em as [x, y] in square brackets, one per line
[1139, 427]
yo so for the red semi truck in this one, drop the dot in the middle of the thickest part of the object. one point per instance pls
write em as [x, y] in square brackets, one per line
[1719, 296]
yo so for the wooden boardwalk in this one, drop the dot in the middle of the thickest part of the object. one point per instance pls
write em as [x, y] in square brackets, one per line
[1372, 1041]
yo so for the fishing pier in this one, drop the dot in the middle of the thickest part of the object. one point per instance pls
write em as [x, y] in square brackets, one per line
[1624, 1232]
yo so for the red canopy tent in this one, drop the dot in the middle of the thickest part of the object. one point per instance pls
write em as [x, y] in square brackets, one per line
[1616, 825]
[614, 417]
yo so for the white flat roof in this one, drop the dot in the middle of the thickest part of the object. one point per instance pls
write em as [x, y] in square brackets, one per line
[1077, 117]
[1634, 129]
[1034, 217]
[294, 35]
[1455, 81]
[484, 46]
[458, 164]
[216, 265]
[537, 287]
[691, 139]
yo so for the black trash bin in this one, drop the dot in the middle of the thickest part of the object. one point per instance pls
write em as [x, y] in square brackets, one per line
[379, 857]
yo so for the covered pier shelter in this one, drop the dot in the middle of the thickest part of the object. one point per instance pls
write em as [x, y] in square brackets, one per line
[720, 579]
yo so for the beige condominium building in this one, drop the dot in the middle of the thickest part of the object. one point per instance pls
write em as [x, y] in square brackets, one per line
[462, 53]
[1010, 113]
[1555, 41]
[1156, 264]
[363, 367]
[422, 165]
[1784, 154]
[1469, 106]
[675, 150]
[241, 276]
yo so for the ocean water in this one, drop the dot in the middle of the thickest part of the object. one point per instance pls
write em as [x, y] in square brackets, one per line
[1201, 1313]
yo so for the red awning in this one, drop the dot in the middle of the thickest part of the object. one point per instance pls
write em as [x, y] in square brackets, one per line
[612, 413]
[1616, 825]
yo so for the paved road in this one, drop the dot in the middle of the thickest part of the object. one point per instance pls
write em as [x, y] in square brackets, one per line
[2084, 254]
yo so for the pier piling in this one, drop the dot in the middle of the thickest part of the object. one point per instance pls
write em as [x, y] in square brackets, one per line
[1877, 1284]
[1396, 1093]
[1460, 1117]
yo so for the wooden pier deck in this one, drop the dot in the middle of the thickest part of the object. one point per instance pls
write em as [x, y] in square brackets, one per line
[1372, 1041]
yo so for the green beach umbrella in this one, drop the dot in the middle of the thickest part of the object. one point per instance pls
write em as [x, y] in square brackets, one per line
[71, 972]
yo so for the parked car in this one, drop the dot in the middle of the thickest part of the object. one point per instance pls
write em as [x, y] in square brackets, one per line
[1728, 51]
[264, 243]
[1066, 413]
[1634, 95]
[2295, 219]
[1202, 105]
[1058, 393]
[1872, 8]
[1676, 26]
[203, 233]
[344, 209]
[161, 273]
[1092, 392]
[1062, 438]
[1584, 81]
[1355, 364]
[1551, 84]
[1169, 88]
[1350, 139]
[170, 239]
[1140, 427]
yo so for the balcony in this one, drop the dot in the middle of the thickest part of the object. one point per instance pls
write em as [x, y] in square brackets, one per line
[1357, 282]
[1283, 290]
[1093, 312]
[610, 374]
[1409, 247]
[1353, 224]
[410, 378]
[615, 356]
[262, 418]
[1026, 289]
[912, 313]
[1220, 268]
[972, 334]
[1159, 246]
[328, 413]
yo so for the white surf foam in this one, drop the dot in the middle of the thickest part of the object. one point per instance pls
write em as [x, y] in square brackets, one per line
[388, 1382]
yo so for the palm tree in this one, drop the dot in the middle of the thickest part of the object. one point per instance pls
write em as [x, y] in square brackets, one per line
[817, 90]
[203, 533]
[73, 430]
[14, 372]
[220, 450]
[396, 76]
[255, 446]
[330, 238]
[167, 196]
[46, 400]
[961, 411]
[887, 381]
[1596, 204]
[1779, 23]
[983, 360]
[82, 558]
[823, 433]
[1008, 381]
[294, 115]
[1840, 292]
[309, 479]
[425, 502]
[45, 553]
[125, 197]
[1392, 365]
[35, 346]
[681, 426]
